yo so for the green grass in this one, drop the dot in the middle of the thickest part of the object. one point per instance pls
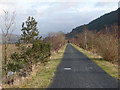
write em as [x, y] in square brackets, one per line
[108, 67]
[44, 74]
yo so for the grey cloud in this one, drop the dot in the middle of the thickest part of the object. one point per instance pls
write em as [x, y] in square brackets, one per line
[104, 4]
[3, 2]
[63, 20]
[59, 16]
[58, 7]
[66, 21]
[119, 4]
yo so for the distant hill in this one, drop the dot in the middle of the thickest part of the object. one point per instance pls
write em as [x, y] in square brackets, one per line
[97, 24]
[13, 38]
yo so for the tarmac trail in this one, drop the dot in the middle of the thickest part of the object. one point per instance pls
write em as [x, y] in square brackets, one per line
[77, 71]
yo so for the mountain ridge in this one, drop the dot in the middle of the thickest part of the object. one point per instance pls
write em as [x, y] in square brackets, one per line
[12, 38]
[99, 23]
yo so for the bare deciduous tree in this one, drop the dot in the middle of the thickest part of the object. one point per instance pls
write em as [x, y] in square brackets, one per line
[85, 31]
[7, 25]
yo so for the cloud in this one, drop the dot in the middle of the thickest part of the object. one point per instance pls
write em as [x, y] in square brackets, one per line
[105, 4]
[102, 4]
[66, 23]
[56, 15]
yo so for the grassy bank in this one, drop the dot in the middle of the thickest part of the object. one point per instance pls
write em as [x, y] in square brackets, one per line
[44, 74]
[108, 67]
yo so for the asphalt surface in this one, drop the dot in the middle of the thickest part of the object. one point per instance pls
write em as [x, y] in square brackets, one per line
[81, 72]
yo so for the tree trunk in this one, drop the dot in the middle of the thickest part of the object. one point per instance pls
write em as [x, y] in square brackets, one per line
[5, 58]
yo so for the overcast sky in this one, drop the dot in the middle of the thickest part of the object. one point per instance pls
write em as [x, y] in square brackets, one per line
[57, 15]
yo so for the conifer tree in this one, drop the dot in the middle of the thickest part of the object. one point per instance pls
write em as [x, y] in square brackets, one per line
[30, 31]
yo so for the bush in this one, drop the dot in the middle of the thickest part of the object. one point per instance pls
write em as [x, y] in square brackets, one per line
[56, 40]
[104, 43]
[107, 47]
[41, 50]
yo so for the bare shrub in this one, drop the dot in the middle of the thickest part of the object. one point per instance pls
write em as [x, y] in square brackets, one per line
[57, 40]
[104, 42]
[107, 44]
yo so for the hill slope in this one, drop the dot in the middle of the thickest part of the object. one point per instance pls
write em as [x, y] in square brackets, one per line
[13, 38]
[97, 24]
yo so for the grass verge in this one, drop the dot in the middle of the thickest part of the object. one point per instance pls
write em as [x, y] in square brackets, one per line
[108, 67]
[44, 74]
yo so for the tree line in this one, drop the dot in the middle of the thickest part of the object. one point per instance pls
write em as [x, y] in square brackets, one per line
[104, 42]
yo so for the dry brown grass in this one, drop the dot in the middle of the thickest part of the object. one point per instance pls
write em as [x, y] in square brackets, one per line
[10, 50]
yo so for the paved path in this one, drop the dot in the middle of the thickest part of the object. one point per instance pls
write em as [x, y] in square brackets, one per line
[84, 73]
